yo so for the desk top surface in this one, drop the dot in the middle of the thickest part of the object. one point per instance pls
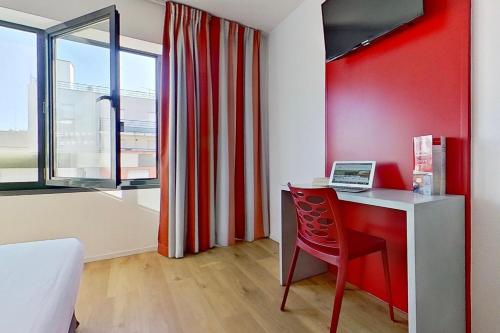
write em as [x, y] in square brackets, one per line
[387, 198]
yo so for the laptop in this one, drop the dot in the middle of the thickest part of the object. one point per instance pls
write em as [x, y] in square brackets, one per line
[352, 176]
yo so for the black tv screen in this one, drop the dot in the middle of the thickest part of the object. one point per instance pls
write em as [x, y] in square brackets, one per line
[350, 24]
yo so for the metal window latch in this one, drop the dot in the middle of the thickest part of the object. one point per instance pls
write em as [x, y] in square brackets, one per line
[102, 98]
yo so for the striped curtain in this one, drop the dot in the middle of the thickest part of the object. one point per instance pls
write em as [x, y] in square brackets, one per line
[213, 189]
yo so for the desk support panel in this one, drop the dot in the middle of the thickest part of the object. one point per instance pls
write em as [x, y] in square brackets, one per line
[436, 267]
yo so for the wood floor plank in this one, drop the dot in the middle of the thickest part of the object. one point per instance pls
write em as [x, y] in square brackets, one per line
[233, 289]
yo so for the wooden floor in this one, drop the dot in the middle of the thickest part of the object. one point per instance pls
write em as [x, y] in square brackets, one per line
[223, 290]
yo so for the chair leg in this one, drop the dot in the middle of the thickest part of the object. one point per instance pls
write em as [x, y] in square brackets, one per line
[339, 295]
[290, 276]
[385, 262]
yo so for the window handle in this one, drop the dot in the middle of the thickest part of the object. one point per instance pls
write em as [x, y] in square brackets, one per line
[108, 98]
[102, 98]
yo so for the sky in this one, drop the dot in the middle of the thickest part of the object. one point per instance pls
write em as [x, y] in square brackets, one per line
[18, 65]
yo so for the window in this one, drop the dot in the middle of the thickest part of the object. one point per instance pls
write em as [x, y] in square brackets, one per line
[18, 114]
[21, 89]
[101, 103]
[82, 128]
[139, 115]
[84, 101]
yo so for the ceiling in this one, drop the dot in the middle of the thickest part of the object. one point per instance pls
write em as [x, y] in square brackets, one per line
[143, 19]
[260, 14]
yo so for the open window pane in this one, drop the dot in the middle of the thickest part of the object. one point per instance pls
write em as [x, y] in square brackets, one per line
[18, 106]
[84, 101]
[82, 118]
[138, 115]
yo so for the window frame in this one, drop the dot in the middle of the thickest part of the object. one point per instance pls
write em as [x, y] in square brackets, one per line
[41, 186]
[52, 34]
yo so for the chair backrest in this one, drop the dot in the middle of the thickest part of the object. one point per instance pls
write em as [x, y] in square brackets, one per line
[318, 216]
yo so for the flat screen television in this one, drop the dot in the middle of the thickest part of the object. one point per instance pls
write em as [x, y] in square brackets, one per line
[350, 24]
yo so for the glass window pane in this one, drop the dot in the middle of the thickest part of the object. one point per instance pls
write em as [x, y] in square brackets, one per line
[18, 106]
[82, 119]
[138, 115]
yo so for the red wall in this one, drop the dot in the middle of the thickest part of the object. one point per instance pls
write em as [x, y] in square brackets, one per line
[415, 81]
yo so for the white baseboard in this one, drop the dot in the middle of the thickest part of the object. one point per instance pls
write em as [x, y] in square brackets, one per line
[275, 238]
[118, 254]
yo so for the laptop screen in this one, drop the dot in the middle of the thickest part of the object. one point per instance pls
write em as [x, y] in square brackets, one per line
[352, 173]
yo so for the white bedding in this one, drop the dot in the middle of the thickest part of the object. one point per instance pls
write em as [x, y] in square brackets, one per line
[39, 283]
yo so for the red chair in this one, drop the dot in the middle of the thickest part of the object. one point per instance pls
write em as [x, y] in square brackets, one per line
[322, 234]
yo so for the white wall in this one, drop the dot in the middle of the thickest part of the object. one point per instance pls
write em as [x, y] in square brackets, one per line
[109, 224]
[485, 166]
[296, 103]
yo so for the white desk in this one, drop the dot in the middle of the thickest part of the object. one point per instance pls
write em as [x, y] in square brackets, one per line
[435, 250]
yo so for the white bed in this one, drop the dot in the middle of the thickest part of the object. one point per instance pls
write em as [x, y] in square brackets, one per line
[39, 284]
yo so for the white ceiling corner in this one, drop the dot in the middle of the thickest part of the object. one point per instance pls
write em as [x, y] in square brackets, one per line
[264, 15]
